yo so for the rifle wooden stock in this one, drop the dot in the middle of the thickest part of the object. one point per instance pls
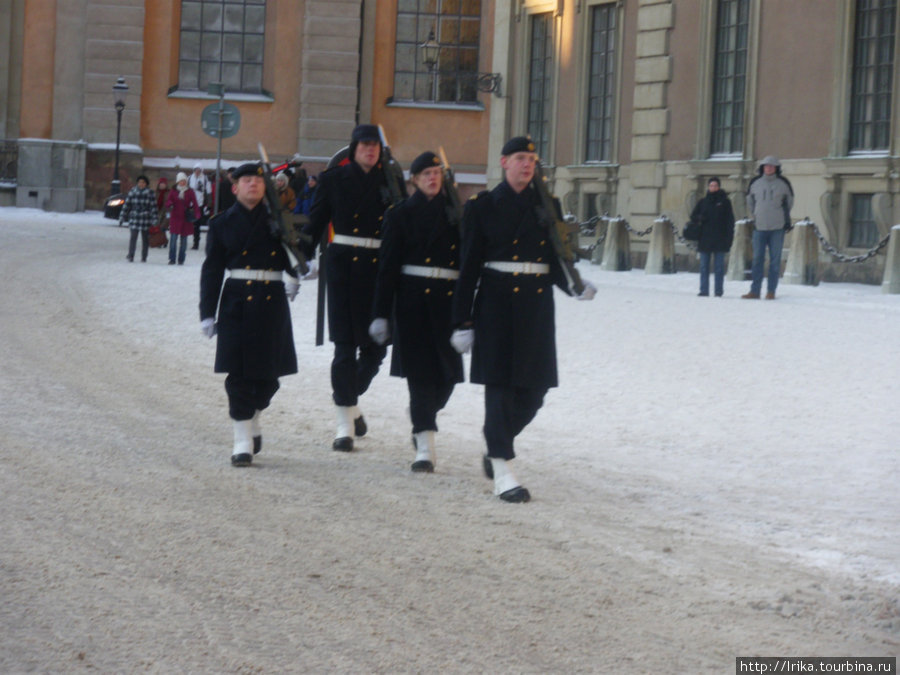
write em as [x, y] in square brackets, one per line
[391, 168]
[451, 192]
[550, 216]
[286, 233]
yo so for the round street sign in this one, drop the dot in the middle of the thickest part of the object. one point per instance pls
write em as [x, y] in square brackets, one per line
[231, 120]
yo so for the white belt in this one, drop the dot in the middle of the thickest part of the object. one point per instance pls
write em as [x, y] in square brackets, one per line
[347, 240]
[518, 267]
[430, 272]
[255, 275]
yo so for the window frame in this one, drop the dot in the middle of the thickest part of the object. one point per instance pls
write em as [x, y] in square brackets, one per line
[550, 78]
[728, 80]
[614, 74]
[706, 73]
[188, 90]
[854, 101]
[458, 73]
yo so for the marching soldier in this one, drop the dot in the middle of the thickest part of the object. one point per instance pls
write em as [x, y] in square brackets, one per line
[417, 273]
[256, 343]
[509, 258]
[353, 198]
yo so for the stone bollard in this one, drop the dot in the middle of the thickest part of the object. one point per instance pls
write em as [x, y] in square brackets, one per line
[891, 281]
[803, 260]
[741, 257]
[617, 247]
[661, 254]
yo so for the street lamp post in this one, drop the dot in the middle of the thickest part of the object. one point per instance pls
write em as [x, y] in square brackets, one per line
[431, 51]
[120, 91]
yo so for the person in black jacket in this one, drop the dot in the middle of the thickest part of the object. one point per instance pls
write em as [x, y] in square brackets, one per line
[416, 276]
[716, 218]
[256, 342]
[353, 198]
[509, 259]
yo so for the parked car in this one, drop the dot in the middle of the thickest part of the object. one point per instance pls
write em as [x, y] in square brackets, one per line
[113, 206]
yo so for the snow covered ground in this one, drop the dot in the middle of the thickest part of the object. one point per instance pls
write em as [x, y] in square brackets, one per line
[772, 424]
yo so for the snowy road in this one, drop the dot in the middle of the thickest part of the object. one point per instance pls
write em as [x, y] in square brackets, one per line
[714, 478]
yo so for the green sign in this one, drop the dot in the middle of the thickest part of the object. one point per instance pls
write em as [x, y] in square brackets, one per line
[220, 116]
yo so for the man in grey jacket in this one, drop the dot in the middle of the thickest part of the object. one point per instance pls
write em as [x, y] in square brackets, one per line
[769, 200]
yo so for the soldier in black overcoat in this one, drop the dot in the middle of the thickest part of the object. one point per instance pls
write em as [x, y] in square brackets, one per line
[353, 198]
[413, 298]
[504, 305]
[255, 341]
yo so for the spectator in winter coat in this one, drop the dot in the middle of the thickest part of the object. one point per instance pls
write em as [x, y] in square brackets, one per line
[181, 204]
[716, 219]
[769, 200]
[202, 188]
[139, 211]
[224, 191]
[285, 193]
[162, 193]
[305, 200]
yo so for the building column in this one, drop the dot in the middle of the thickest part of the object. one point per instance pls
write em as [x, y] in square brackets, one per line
[650, 120]
[330, 77]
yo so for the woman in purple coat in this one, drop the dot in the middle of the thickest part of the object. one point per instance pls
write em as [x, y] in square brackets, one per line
[181, 202]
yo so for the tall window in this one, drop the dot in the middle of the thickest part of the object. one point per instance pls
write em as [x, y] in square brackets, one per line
[540, 74]
[455, 25]
[729, 77]
[601, 86]
[863, 228]
[873, 71]
[222, 41]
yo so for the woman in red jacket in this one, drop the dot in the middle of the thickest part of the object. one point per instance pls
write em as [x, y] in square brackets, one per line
[183, 211]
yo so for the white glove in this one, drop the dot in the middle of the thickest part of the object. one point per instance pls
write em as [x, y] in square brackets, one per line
[588, 293]
[291, 287]
[313, 271]
[380, 330]
[208, 327]
[462, 339]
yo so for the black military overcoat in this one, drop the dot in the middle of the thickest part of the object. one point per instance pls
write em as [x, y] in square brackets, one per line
[417, 232]
[354, 202]
[513, 314]
[255, 339]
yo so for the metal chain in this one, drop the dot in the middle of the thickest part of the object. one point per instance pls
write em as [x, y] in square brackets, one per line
[589, 226]
[840, 257]
[587, 229]
[643, 233]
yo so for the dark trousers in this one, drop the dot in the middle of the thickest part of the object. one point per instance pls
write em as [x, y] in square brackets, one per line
[145, 243]
[246, 395]
[508, 410]
[200, 221]
[425, 400]
[351, 375]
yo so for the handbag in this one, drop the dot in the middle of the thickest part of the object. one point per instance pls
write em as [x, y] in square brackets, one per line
[157, 237]
[189, 214]
[691, 231]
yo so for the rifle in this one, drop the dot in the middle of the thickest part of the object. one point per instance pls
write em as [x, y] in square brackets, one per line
[291, 164]
[392, 173]
[451, 192]
[281, 228]
[550, 216]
